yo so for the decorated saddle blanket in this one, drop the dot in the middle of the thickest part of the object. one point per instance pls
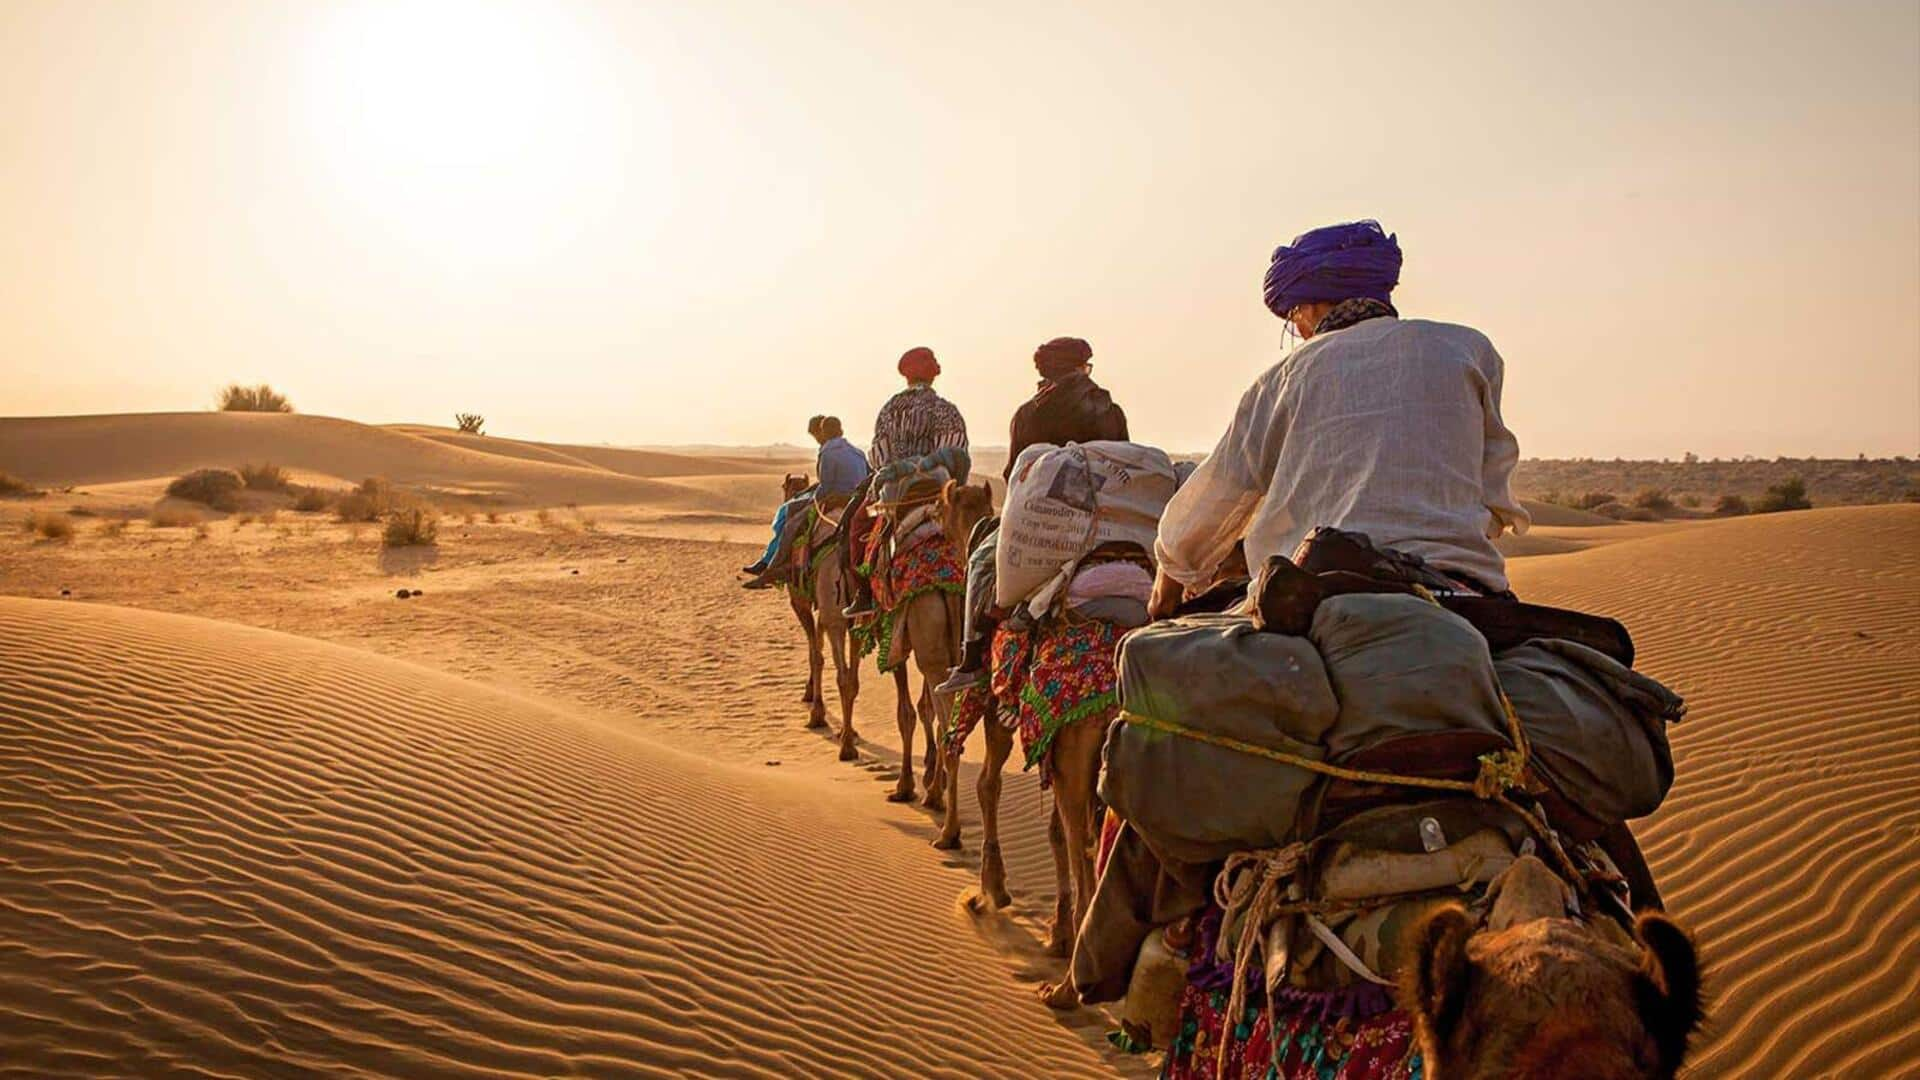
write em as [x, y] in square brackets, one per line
[922, 563]
[1349, 1034]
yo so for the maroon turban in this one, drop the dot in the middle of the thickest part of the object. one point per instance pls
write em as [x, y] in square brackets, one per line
[918, 364]
[1062, 356]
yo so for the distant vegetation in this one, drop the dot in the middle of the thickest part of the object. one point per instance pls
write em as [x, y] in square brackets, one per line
[470, 423]
[217, 488]
[262, 398]
[173, 517]
[1729, 487]
[312, 500]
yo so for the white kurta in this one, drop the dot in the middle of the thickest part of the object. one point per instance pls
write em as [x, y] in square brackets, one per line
[1390, 427]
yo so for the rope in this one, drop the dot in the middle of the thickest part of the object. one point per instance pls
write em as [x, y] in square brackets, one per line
[1252, 896]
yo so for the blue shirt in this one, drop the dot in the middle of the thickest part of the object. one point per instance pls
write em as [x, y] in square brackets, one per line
[842, 466]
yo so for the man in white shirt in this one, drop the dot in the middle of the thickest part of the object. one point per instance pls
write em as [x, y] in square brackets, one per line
[1375, 424]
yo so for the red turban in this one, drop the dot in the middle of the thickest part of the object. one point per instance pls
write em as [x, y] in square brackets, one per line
[918, 364]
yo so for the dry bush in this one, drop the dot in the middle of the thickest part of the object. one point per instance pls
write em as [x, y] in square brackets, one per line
[1620, 511]
[374, 499]
[269, 517]
[588, 522]
[1690, 501]
[201, 532]
[218, 488]
[1789, 494]
[1594, 500]
[267, 477]
[12, 487]
[50, 526]
[407, 528]
[112, 529]
[470, 423]
[543, 517]
[1731, 506]
[312, 500]
[1654, 499]
[243, 521]
[261, 398]
[493, 518]
[173, 517]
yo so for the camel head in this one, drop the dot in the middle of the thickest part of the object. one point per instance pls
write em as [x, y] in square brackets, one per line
[962, 506]
[1534, 994]
[794, 484]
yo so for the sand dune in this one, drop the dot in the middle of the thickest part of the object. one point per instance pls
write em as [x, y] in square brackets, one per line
[78, 450]
[1791, 842]
[235, 852]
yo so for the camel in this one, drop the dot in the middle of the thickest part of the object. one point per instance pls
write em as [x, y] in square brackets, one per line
[928, 633]
[1536, 994]
[1072, 770]
[819, 611]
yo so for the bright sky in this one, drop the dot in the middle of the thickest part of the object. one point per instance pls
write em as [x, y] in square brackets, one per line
[1686, 226]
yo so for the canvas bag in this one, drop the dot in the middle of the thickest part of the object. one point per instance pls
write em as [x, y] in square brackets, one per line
[1194, 801]
[1064, 501]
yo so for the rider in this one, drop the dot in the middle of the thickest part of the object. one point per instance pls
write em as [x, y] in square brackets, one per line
[914, 423]
[841, 467]
[1067, 407]
[1375, 424]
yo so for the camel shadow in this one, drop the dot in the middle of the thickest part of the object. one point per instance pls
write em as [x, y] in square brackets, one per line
[408, 561]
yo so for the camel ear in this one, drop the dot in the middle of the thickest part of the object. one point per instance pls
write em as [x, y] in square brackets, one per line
[1433, 984]
[1667, 984]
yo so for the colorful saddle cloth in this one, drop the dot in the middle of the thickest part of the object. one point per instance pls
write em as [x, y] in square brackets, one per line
[1046, 678]
[1350, 1034]
[925, 563]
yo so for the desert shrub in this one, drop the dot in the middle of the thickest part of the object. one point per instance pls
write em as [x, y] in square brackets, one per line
[269, 517]
[54, 526]
[372, 500]
[12, 487]
[112, 528]
[470, 423]
[218, 488]
[1690, 501]
[493, 517]
[173, 517]
[1789, 494]
[1654, 499]
[201, 532]
[1620, 511]
[406, 528]
[1594, 500]
[243, 521]
[312, 500]
[267, 477]
[262, 398]
[1731, 506]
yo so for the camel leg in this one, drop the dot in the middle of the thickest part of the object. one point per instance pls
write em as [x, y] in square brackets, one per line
[803, 611]
[1075, 767]
[816, 664]
[846, 672]
[905, 717]
[993, 871]
[935, 797]
[949, 838]
[1060, 930]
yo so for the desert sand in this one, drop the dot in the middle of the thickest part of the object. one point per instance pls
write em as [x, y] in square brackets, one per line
[558, 814]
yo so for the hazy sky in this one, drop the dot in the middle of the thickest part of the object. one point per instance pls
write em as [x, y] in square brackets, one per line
[1686, 226]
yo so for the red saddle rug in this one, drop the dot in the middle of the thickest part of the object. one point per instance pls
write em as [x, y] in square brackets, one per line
[927, 564]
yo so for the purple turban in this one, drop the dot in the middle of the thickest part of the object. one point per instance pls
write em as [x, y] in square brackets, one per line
[1061, 356]
[1339, 262]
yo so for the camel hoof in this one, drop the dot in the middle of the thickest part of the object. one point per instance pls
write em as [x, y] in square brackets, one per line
[1059, 945]
[1059, 995]
[848, 752]
[1000, 897]
[947, 843]
[900, 795]
[932, 800]
[814, 723]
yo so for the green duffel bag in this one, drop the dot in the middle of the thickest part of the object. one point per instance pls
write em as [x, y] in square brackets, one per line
[1193, 800]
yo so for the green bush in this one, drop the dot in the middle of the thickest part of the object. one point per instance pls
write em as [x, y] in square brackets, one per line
[1789, 494]
[262, 398]
[218, 488]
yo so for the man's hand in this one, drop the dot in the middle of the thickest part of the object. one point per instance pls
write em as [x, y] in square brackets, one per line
[1167, 594]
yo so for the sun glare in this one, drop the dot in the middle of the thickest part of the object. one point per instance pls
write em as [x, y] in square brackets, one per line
[474, 130]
